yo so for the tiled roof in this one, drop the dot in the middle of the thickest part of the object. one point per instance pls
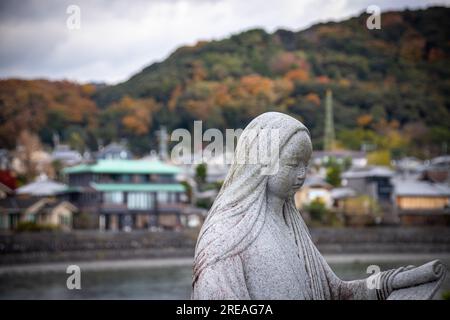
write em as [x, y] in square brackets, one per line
[42, 188]
[376, 171]
[124, 167]
[148, 187]
[410, 187]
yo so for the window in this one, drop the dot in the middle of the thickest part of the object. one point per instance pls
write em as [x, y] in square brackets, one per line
[125, 178]
[142, 178]
[64, 220]
[163, 197]
[163, 178]
[113, 197]
[140, 200]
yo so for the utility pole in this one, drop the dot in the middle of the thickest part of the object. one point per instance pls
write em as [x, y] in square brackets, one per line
[163, 140]
[329, 137]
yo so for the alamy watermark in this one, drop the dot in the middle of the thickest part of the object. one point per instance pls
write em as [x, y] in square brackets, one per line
[255, 147]
[373, 281]
[73, 21]
[374, 20]
[74, 280]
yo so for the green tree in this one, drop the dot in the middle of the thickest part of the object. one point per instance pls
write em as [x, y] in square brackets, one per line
[317, 210]
[200, 173]
[333, 173]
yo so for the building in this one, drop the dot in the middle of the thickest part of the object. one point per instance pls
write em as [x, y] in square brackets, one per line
[40, 202]
[5, 159]
[43, 212]
[314, 188]
[408, 166]
[374, 192]
[218, 167]
[422, 202]
[126, 194]
[438, 170]
[374, 181]
[42, 187]
[355, 158]
[68, 157]
[114, 151]
[5, 191]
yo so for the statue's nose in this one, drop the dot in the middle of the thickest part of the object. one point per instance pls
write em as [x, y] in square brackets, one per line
[300, 179]
[301, 174]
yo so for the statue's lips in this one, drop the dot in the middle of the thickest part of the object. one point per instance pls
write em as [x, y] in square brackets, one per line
[297, 185]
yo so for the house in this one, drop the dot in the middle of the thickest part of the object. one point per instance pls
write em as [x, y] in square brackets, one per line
[5, 191]
[422, 202]
[47, 211]
[314, 188]
[117, 151]
[65, 155]
[42, 187]
[218, 166]
[126, 194]
[438, 170]
[339, 196]
[12, 211]
[374, 191]
[356, 158]
[5, 159]
[374, 181]
[53, 212]
[193, 217]
[408, 166]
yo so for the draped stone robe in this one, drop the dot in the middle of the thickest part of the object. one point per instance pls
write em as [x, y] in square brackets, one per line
[277, 266]
[246, 251]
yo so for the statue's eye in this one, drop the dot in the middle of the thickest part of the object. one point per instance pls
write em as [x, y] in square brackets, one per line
[292, 165]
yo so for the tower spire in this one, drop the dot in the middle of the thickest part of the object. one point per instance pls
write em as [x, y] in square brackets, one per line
[163, 149]
[329, 137]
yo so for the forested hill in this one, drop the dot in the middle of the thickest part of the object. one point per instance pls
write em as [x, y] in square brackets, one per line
[390, 86]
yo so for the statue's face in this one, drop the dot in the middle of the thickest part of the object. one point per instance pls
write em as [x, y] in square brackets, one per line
[294, 158]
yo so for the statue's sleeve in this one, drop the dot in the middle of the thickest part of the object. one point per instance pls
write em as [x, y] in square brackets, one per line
[224, 280]
[347, 290]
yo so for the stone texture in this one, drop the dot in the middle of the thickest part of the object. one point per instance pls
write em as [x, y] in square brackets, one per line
[254, 243]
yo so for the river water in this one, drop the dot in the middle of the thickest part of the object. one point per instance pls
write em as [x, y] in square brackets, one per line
[154, 279]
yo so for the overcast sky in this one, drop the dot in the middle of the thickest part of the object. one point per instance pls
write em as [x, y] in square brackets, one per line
[118, 38]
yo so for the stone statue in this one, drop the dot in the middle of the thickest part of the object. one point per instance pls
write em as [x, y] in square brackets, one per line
[254, 243]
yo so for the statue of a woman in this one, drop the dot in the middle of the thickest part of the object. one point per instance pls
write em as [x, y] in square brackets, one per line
[254, 243]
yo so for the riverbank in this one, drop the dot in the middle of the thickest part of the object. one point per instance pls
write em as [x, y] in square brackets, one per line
[59, 247]
[112, 265]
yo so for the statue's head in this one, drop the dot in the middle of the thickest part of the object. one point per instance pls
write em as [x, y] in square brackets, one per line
[270, 159]
[293, 162]
[273, 150]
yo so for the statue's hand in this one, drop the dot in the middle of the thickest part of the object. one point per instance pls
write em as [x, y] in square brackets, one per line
[419, 282]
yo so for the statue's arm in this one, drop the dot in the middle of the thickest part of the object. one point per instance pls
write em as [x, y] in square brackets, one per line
[347, 290]
[223, 280]
[355, 290]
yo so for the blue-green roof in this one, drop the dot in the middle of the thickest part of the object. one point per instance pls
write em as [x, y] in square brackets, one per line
[124, 167]
[148, 187]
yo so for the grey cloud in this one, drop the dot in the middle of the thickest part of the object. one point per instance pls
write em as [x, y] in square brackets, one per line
[119, 37]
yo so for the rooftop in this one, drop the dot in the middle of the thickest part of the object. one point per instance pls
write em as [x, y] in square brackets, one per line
[316, 181]
[409, 187]
[339, 154]
[120, 151]
[124, 167]
[343, 192]
[374, 171]
[42, 187]
[149, 187]
[64, 153]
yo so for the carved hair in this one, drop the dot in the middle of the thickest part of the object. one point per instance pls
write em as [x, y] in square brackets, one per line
[238, 213]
